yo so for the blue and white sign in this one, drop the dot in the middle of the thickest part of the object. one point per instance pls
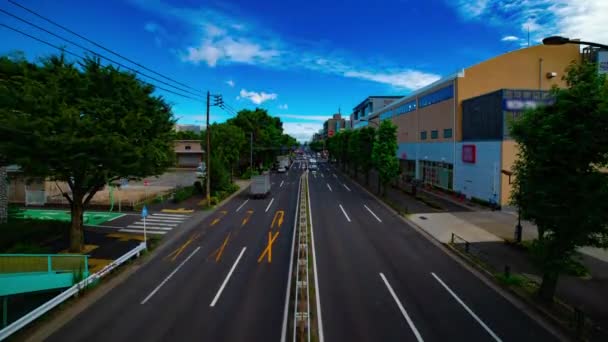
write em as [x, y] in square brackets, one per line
[144, 212]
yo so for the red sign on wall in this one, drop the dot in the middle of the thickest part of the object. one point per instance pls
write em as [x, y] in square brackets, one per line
[330, 133]
[469, 153]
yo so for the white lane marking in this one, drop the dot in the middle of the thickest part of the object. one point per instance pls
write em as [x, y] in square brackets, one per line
[371, 212]
[141, 231]
[163, 219]
[158, 223]
[347, 188]
[403, 312]
[219, 292]
[269, 204]
[240, 206]
[322, 175]
[344, 212]
[172, 215]
[329, 187]
[316, 273]
[290, 273]
[169, 276]
[281, 184]
[112, 219]
[496, 338]
[334, 175]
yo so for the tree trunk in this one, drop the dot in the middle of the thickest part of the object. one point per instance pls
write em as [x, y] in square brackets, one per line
[548, 287]
[76, 230]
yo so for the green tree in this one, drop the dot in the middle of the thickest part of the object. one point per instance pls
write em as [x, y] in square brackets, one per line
[316, 146]
[187, 135]
[384, 153]
[85, 125]
[353, 151]
[560, 184]
[367, 136]
[228, 143]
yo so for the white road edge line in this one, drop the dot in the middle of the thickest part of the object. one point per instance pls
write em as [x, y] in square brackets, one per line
[316, 273]
[496, 338]
[280, 186]
[347, 188]
[240, 206]
[112, 219]
[293, 244]
[335, 175]
[269, 204]
[407, 317]
[219, 292]
[344, 212]
[371, 212]
[169, 276]
[329, 187]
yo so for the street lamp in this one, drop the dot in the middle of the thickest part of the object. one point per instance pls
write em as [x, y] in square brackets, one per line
[559, 40]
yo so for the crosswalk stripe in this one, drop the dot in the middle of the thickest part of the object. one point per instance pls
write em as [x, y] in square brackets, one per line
[171, 215]
[147, 231]
[168, 217]
[149, 227]
[159, 220]
[153, 224]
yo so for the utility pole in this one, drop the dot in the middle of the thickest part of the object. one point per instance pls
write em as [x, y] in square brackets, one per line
[208, 166]
[250, 152]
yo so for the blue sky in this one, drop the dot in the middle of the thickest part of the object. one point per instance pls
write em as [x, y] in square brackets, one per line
[302, 60]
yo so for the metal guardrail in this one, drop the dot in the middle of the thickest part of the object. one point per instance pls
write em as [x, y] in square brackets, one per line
[301, 316]
[65, 295]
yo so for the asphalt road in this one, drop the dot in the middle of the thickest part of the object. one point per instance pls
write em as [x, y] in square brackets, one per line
[380, 280]
[208, 285]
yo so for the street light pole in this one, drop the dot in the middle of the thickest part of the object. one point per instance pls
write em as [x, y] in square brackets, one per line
[208, 166]
[559, 40]
[250, 152]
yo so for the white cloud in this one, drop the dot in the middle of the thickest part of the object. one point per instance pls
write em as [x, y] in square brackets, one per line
[223, 48]
[509, 38]
[230, 83]
[584, 19]
[320, 118]
[301, 131]
[257, 98]
[159, 32]
[408, 79]
[283, 106]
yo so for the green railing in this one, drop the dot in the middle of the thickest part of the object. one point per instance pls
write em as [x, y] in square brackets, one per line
[51, 263]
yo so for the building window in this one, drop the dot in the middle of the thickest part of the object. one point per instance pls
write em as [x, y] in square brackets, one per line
[434, 134]
[423, 135]
[187, 148]
[437, 96]
[406, 107]
[439, 174]
[447, 133]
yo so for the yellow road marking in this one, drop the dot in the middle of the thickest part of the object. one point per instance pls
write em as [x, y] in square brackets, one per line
[220, 250]
[218, 219]
[181, 248]
[278, 218]
[247, 217]
[178, 211]
[126, 237]
[268, 249]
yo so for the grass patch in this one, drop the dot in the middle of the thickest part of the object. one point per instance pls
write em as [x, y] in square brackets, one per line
[182, 194]
[510, 280]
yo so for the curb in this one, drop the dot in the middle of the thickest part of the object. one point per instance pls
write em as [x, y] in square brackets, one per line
[487, 278]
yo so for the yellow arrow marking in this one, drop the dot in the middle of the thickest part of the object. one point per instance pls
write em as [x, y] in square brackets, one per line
[218, 252]
[268, 249]
[247, 217]
[278, 218]
[218, 219]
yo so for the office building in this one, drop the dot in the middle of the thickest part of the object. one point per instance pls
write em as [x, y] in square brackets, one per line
[333, 125]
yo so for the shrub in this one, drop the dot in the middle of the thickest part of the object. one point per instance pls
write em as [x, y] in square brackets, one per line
[183, 194]
[199, 187]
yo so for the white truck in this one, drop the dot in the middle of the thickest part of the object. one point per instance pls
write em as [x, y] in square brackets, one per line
[260, 186]
[283, 162]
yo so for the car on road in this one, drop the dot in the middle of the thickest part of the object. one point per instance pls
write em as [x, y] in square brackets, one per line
[312, 166]
[281, 170]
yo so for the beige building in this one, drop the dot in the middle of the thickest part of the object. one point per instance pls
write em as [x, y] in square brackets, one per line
[189, 153]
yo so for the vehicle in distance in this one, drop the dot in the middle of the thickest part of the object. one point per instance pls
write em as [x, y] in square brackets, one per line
[260, 186]
[312, 166]
[281, 170]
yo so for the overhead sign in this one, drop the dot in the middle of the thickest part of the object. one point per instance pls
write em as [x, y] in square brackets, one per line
[518, 105]
[602, 62]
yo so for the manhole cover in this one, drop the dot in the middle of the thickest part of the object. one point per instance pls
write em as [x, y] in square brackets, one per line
[423, 217]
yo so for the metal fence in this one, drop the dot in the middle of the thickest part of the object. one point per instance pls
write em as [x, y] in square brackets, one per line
[25, 263]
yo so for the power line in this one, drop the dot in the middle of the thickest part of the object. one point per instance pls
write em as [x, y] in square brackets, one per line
[83, 58]
[99, 45]
[95, 53]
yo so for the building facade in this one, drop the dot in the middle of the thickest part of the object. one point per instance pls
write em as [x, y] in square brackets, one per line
[362, 112]
[472, 153]
[189, 153]
[333, 125]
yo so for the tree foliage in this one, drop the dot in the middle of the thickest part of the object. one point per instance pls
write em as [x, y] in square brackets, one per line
[384, 153]
[367, 135]
[228, 142]
[83, 124]
[561, 182]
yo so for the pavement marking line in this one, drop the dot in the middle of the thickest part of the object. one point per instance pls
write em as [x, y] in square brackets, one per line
[281, 184]
[290, 272]
[247, 217]
[112, 219]
[239, 208]
[371, 212]
[152, 223]
[494, 336]
[344, 212]
[335, 175]
[141, 231]
[268, 249]
[220, 250]
[148, 227]
[322, 175]
[219, 292]
[278, 218]
[169, 276]
[171, 215]
[219, 218]
[347, 188]
[329, 187]
[315, 272]
[407, 317]
[179, 250]
[177, 211]
[269, 204]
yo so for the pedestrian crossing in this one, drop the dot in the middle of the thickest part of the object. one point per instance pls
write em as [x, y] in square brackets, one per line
[157, 224]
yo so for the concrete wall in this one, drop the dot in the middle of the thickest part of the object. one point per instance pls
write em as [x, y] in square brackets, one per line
[482, 178]
[180, 146]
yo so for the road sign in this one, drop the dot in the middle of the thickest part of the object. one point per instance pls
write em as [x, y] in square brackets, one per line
[144, 211]
[146, 182]
[124, 182]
